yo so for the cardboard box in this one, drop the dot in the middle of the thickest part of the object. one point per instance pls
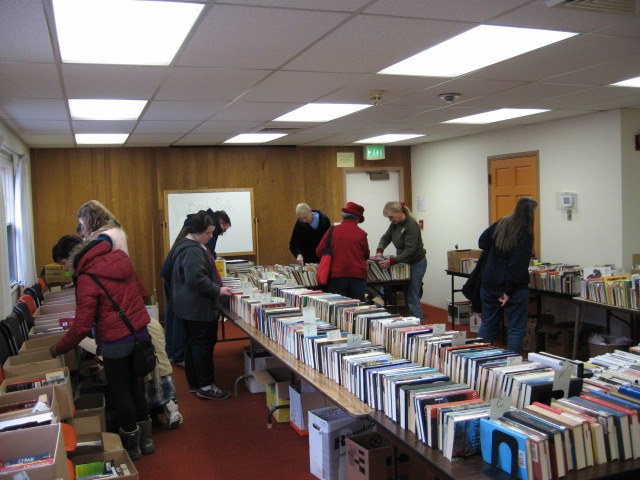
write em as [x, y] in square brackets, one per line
[559, 339]
[69, 309]
[34, 441]
[48, 390]
[119, 456]
[302, 398]
[276, 382]
[455, 256]
[459, 312]
[43, 341]
[33, 362]
[530, 343]
[64, 391]
[369, 457]
[91, 437]
[262, 360]
[91, 404]
[55, 273]
[328, 429]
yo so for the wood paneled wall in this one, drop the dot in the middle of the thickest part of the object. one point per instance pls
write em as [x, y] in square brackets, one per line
[131, 183]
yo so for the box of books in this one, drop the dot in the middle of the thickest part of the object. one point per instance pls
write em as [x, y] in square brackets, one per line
[60, 381]
[37, 452]
[26, 401]
[33, 362]
[559, 339]
[369, 457]
[44, 341]
[455, 257]
[116, 462]
[328, 429]
[302, 398]
[68, 309]
[55, 273]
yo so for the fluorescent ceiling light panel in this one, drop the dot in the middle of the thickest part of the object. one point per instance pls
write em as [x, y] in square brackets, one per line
[82, 109]
[476, 48]
[632, 82]
[101, 138]
[321, 112]
[254, 137]
[497, 115]
[122, 32]
[390, 138]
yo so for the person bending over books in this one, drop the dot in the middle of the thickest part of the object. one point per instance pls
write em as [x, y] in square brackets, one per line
[350, 248]
[94, 308]
[504, 279]
[405, 234]
[307, 233]
[221, 223]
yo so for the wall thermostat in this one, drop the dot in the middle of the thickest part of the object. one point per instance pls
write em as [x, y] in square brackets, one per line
[565, 201]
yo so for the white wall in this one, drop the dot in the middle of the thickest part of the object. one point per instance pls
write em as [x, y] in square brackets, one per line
[12, 140]
[630, 186]
[580, 154]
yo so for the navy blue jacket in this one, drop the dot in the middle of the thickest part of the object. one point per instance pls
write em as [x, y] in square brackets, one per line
[506, 271]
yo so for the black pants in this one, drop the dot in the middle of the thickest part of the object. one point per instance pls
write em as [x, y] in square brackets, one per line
[349, 287]
[199, 340]
[125, 392]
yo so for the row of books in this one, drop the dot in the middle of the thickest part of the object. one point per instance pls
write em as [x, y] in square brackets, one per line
[399, 271]
[556, 278]
[464, 376]
[617, 290]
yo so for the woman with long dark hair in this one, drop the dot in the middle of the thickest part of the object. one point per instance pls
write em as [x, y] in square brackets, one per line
[505, 275]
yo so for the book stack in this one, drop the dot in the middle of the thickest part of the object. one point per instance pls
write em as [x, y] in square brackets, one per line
[559, 278]
[399, 271]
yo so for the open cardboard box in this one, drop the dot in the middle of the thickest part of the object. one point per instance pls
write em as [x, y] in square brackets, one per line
[120, 457]
[32, 362]
[63, 390]
[276, 382]
[46, 309]
[26, 442]
[44, 341]
[302, 398]
[91, 437]
[33, 393]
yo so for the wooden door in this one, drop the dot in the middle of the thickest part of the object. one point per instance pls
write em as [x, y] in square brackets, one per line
[511, 177]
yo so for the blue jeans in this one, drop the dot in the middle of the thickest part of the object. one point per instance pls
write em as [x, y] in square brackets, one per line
[415, 286]
[516, 309]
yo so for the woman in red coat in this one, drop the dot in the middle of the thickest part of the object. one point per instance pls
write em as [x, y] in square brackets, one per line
[94, 308]
[348, 275]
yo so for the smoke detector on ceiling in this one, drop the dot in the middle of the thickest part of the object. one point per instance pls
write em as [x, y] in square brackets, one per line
[624, 7]
[449, 97]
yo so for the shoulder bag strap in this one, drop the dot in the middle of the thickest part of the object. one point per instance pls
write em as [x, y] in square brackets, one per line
[116, 307]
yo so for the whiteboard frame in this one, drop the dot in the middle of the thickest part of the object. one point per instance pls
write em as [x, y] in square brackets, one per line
[254, 220]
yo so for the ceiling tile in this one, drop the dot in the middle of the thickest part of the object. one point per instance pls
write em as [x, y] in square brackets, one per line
[26, 40]
[29, 80]
[181, 110]
[112, 81]
[33, 109]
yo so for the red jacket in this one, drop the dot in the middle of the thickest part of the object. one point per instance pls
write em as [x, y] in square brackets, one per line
[350, 250]
[115, 270]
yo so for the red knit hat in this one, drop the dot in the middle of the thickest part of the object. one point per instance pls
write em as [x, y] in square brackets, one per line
[355, 210]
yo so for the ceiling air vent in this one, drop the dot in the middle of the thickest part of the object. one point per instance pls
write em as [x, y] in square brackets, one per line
[624, 7]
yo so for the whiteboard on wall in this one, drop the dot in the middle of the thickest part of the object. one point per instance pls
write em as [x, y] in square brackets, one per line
[238, 203]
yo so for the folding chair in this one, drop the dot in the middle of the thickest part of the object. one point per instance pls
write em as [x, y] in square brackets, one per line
[29, 301]
[43, 284]
[12, 323]
[22, 310]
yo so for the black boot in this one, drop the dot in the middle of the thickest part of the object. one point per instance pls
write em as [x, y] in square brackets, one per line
[146, 440]
[131, 443]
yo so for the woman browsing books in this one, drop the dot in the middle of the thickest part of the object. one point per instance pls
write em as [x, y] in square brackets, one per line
[505, 274]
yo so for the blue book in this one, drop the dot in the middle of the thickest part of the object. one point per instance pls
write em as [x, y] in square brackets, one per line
[504, 448]
[630, 390]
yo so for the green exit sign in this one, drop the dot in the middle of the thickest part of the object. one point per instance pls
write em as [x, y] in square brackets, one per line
[374, 152]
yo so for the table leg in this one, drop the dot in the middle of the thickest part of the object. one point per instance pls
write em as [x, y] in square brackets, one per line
[576, 330]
